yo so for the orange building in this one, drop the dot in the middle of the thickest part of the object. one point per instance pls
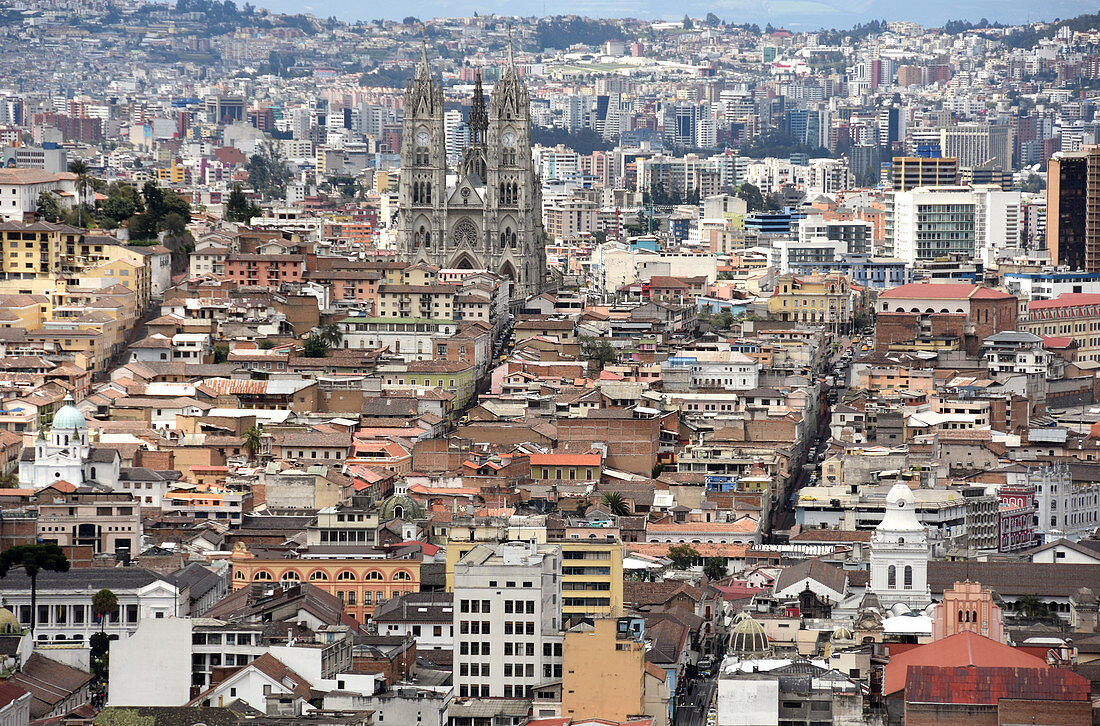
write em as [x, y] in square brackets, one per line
[361, 584]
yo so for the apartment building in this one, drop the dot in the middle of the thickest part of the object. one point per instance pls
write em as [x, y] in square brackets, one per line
[108, 522]
[507, 619]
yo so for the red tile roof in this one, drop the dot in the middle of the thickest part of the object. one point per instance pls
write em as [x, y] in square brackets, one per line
[961, 649]
[944, 291]
[1065, 300]
[986, 686]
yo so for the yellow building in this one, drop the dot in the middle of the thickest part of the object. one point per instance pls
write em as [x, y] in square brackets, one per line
[592, 573]
[428, 301]
[823, 299]
[591, 579]
[26, 312]
[87, 348]
[603, 671]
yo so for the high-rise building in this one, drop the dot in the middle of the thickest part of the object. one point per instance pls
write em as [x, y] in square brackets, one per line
[1073, 209]
[507, 619]
[931, 222]
[910, 172]
[978, 145]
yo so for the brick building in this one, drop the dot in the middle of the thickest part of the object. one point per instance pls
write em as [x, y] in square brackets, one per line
[990, 696]
[264, 270]
[632, 437]
[942, 315]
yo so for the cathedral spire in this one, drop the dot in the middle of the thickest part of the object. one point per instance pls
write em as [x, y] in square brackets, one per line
[479, 118]
[425, 66]
[511, 51]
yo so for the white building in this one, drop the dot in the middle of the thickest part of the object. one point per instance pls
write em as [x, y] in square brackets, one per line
[21, 188]
[67, 455]
[927, 223]
[426, 616]
[899, 553]
[64, 601]
[1063, 509]
[507, 619]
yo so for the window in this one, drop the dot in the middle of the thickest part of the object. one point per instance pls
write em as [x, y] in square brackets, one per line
[891, 577]
[908, 577]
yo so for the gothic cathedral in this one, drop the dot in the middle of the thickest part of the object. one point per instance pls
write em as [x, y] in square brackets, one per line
[488, 215]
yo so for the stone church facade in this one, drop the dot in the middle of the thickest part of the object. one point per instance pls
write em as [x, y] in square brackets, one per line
[487, 214]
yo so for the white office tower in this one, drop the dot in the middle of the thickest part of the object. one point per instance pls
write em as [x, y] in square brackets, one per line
[507, 619]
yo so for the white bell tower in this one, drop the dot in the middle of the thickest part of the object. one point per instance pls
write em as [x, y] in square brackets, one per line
[899, 553]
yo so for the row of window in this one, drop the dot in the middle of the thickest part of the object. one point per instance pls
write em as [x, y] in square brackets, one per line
[322, 576]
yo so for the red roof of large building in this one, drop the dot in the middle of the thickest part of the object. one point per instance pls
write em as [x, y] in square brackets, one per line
[986, 686]
[962, 649]
[1066, 300]
[943, 291]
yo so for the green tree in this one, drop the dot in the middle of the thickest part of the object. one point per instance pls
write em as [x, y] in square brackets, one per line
[33, 559]
[714, 568]
[100, 653]
[221, 353]
[332, 334]
[154, 199]
[683, 556]
[268, 172]
[143, 226]
[315, 347]
[253, 441]
[1030, 606]
[104, 603]
[174, 224]
[115, 716]
[9, 480]
[48, 207]
[754, 200]
[722, 321]
[238, 208]
[122, 202]
[83, 185]
[615, 503]
[599, 350]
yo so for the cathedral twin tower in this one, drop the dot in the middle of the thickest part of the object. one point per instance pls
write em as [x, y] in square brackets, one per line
[488, 213]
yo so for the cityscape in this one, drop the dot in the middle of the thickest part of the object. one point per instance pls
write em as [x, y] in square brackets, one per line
[614, 368]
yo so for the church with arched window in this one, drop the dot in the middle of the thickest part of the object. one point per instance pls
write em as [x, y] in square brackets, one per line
[65, 453]
[899, 553]
[487, 213]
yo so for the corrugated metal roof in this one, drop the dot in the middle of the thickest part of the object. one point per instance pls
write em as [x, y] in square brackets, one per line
[978, 685]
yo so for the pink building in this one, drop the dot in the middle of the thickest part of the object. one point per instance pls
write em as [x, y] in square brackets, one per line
[264, 270]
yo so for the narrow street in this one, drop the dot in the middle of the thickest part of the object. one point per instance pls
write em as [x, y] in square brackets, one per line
[699, 698]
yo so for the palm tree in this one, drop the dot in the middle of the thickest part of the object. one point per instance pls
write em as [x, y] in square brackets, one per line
[332, 334]
[615, 504]
[9, 480]
[33, 559]
[253, 441]
[83, 181]
[104, 603]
